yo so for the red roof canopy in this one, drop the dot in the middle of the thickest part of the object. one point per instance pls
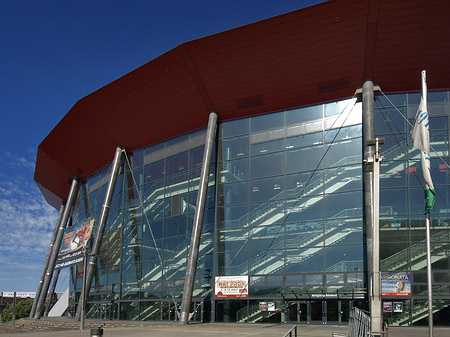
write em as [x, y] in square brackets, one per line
[312, 55]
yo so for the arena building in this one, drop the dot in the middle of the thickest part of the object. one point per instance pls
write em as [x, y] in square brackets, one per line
[286, 218]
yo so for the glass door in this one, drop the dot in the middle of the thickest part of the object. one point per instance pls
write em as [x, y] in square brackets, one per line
[315, 312]
[333, 312]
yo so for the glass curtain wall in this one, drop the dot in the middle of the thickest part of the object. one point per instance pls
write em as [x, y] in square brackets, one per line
[402, 219]
[285, 208]
[142, 261]
[289, 202]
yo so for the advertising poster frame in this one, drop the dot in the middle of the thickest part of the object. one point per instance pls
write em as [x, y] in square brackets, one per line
[231, 287]
[74, 241]
[395, 284]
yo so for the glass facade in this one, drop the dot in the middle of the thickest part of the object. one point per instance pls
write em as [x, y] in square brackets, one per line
[284, 208]
[402, 219]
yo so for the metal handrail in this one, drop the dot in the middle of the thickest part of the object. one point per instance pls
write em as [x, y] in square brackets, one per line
[293, 330]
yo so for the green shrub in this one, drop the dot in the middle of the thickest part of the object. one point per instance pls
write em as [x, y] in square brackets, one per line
[23, 309]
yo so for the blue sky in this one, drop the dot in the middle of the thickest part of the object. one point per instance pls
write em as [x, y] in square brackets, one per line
[52, 53]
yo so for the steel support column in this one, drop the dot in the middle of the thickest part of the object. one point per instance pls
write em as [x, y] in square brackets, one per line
[370, 205]
[92, 266]
[52, 261]
[52, 243]
[198, 220]
[52, 291]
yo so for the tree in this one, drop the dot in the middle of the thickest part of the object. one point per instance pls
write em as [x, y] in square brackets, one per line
[23, 309]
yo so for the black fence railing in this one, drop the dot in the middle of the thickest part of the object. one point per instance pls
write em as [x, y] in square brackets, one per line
[292, 332]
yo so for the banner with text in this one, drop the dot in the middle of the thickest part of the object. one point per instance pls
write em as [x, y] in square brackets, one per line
[74, 241]
[395, 283]
[231, 287]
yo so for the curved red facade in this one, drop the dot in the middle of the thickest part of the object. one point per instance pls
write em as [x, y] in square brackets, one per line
[312, 55]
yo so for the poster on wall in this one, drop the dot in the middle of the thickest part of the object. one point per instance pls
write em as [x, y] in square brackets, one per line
[387, 306]
[397, 306]
[266, 306]
[74, 241]
[231, 287]
[396, 283]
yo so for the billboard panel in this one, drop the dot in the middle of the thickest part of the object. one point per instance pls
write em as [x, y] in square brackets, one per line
[395, 283]
[74, 241]
[231, 287]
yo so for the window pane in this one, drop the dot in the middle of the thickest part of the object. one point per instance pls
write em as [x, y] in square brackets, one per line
[304, 114]
[267, 237]
[233, 240]
[234, 148]
[337, 204]
[266, 122]
[232, 217]
[343, 153]
[234, 128]
[304, 259]
[301, 160]
[304, 234]
[343, 133]
[267, 213]
[268, 147]
[232, 263]
[336, 108]
[343, 232]
[268, 165]
[298, 184]
[304, 140]
[236, 193]
[196, 158]
[396, 199]
[267, 262]
[235, 170]
[177, 164]
[265, 189]
[305, 208]
[175, 226]
[174, 246]
[344, 258]
[388, 120]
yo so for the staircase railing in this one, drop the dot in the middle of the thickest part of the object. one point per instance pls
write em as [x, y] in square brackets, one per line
[291, 332]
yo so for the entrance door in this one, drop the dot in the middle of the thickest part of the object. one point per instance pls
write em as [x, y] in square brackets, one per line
[333, 312]
[297, 311]
[346, 308]
[315, 312]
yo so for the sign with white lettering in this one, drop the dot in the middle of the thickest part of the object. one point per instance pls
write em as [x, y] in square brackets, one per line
[395, 284]
[73, 244]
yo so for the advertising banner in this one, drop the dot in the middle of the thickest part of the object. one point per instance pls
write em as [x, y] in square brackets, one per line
[395, 284]
[231, 287]
[74, 241]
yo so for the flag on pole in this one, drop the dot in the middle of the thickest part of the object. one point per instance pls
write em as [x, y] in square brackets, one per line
[421, 136]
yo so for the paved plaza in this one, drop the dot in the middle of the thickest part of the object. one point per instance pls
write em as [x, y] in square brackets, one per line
[172, 329]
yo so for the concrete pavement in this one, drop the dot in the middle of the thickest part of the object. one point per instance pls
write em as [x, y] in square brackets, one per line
[156, 329]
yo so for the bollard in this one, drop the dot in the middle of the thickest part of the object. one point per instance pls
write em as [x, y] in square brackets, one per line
[97, 332]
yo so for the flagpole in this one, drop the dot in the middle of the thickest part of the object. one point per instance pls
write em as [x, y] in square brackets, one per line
[428, 236]
[429, 278]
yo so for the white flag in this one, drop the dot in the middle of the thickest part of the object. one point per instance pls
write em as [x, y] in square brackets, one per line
[420, 131]
[421, 136]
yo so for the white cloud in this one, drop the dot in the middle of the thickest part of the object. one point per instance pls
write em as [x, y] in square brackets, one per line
[27, 223]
